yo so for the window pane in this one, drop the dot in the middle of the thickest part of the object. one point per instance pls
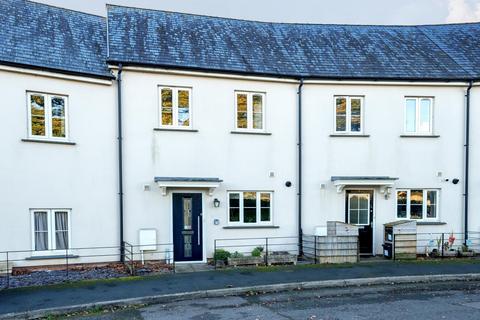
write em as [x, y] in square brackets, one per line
[425, 108]
[431, 204]
[416, 204]
[234, 199]
[401, 204]
[401, 211]
[250, 199]
[355, 124]
[234, 214]
[234, 205]
[41, 230]
[411, 115]
[249, 207]
[354, 202]
[354, 216]
[257, 111]
[183, 108]
[363, 202]
[363, 216]
[37, 110]
[356, 107]
[265, 202]
[58, 117]
[187, 213]
[265, 214]
[249, 215]
[167, 104]
[61, 230]
[241, 111]
[341, 114]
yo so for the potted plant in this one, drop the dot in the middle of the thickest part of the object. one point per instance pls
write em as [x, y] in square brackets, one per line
[256, 258]
[281, 257]
[221, 257]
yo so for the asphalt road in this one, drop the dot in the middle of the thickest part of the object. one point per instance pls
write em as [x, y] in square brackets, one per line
[433, 301]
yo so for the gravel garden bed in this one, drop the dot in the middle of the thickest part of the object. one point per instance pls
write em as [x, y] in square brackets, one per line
[42, 277]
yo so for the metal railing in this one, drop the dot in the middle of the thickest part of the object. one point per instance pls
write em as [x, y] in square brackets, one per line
[255, 251]
[436, 245]
[84, 263]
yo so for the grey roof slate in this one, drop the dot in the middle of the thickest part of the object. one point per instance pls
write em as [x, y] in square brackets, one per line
[46, 37]
[177, 40]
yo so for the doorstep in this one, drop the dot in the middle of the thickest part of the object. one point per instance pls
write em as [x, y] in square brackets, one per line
[192, 267]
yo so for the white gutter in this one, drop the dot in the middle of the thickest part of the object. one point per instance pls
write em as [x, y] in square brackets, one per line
[287, 80]
[54, 75]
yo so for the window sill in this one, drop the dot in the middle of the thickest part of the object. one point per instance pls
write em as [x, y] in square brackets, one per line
[175, 129]
[251, 227]
[252, 132]
[419, 136]
[431, 223]
[349, 135]
[49, 141]
[52, 257]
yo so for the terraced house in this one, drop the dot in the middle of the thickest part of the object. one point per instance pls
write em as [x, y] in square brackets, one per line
[181, 129]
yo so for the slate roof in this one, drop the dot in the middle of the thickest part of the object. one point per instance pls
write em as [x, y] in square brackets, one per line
[177, 40]
[51, 38]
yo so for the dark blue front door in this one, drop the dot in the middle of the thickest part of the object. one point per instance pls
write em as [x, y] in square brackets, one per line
[187, 226]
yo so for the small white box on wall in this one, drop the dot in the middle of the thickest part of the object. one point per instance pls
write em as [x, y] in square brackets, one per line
[147, 239]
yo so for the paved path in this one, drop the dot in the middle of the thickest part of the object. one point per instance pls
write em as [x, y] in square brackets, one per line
[427, 302]
[27, 299]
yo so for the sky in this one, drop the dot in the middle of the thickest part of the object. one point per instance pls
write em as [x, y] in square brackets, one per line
[307, 11]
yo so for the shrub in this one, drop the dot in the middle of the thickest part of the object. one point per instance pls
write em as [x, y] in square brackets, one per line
[237, 254]
[257, 252]
[221, 255]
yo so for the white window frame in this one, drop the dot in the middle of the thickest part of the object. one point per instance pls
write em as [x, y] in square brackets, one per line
[348, 127]
[175, 124]
[350, 195]
[250, 95]
[241, 209]
[51, 231]
[48, 116]
[424, 205]
[417, 131]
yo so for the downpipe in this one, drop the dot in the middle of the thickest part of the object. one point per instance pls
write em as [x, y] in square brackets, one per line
[467, 158]
[120, 162]
[300, 172]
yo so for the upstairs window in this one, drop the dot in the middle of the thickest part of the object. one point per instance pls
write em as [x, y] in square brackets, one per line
[418, 204]
[175, 107]
[418, 116]
[250, 207]
[348, 115]
[250, 111]
[51, 229]
[47, 116]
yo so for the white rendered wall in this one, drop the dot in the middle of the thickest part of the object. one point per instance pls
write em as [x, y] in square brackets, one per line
[415, 161]
[82, 177]
[242, 161]
[474, 183]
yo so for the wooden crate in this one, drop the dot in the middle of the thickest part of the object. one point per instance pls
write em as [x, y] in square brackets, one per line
[405, 246]
[337, 249]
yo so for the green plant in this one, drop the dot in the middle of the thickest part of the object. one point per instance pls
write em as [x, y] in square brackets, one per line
[237, 254]
[257, 252]
[221, 255]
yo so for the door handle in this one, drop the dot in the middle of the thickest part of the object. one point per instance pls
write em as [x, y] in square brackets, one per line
[198, 229]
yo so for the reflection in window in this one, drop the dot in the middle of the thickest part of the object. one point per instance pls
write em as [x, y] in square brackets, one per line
[418, 115]
[417, 204]
[250, 110]
[175, 107]
[348, 115]
[47, 116]
[250, 207]
[242, 118]
[37, 112]
[58, 117]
